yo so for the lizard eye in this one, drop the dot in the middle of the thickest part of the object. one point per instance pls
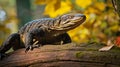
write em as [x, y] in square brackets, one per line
[67, 17]
[70, 16]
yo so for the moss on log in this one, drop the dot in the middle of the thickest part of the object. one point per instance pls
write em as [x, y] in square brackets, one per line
[69, 55]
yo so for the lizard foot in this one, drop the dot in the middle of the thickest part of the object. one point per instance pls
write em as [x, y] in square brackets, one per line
[29, 47]
[37, 46]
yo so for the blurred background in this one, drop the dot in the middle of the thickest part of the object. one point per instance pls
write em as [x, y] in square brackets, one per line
[101, 24]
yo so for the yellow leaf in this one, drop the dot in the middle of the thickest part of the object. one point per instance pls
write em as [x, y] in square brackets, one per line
[83, 33]
[57, 4]
[93, 10]
[67, 8]
[83, 3]
[76, 39]
[79, 34]
[51, 1]
[115, 27]
[100, 5]
[41, 2]
[51, 10]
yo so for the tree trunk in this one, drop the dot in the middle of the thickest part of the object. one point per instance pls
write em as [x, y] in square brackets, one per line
[116, 4]
[69, 55]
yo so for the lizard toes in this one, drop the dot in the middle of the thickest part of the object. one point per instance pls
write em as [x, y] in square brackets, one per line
[30, 47]
[27, 49]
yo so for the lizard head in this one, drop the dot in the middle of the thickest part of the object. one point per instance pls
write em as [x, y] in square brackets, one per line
[70, 21]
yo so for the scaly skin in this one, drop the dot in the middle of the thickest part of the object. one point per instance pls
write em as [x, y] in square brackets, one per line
[43, 31]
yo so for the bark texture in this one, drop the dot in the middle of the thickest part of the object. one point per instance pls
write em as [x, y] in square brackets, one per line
[69, 55]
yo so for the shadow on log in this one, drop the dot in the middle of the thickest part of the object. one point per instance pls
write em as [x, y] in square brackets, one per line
[69, 55]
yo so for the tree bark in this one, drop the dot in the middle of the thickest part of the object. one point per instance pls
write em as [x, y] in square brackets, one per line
[69, 55]
[116, 5]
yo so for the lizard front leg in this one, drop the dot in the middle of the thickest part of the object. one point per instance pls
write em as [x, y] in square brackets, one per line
[35, 33]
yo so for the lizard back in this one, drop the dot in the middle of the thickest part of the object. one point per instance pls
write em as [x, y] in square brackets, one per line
[38, 23]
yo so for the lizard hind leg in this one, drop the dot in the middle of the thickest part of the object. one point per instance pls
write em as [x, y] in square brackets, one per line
[62, 39]
[65, 38]
[12, 41]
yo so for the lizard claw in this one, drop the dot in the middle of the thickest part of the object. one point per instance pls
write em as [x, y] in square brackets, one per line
[29, 47]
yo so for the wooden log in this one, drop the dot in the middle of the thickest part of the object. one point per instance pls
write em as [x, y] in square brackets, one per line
[69, 55]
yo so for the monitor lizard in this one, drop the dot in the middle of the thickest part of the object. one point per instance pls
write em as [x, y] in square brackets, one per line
[43, 31]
